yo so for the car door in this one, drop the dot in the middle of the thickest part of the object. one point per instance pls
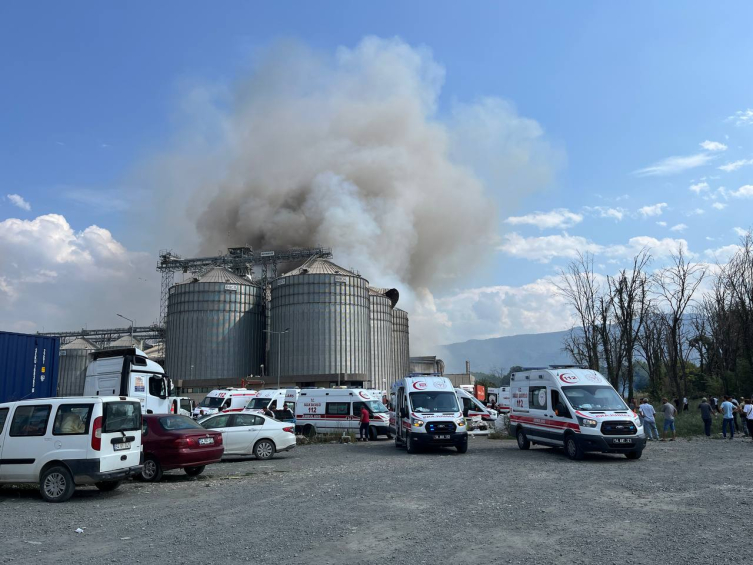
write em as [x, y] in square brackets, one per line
[3, 433]
[25, 444]
[540, 428]
[220, 423]
[243, 431]
[562, 418]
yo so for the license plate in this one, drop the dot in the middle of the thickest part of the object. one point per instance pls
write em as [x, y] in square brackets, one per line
[206, 441]
[121, 446]
[622, 440]
[442, 437]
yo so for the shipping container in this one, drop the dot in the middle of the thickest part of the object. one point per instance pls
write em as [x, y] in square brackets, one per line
[28, 366]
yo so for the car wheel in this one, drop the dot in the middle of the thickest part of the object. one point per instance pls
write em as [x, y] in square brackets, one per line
[411, 444]
[523, 442]
[462, 447]
[634, 454]
[107, 486]
[573, 449]
[264, 449]
[195, 471]
[152, 471]
[373, 433]
[56, 484]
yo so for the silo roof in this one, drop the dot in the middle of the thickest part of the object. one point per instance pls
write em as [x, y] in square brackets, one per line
[80, 343]
[319, 266]
[126, 341]
[218, 275]
[390, 293]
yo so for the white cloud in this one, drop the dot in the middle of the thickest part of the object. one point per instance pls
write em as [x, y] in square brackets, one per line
[58, 278]
[654, 210]
[679, 228]
[662, 224]
[696, 212]
[722, 254]
[742, 117]
[745, 191]
[740, 231]
[18, 201]
[700, 187]
[734, 165]
[713, 146]
[719, 205]
[603, 212]
[564, 246]
[674, 165]
[560, 218]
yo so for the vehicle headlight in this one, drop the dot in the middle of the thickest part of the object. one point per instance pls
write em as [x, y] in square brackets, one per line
[460, 422]
[418, 423]
[587, 422]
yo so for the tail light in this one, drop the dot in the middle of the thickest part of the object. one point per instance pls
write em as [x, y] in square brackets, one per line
[182, 442]
[289, 429]
[97, 433]
[218, 439]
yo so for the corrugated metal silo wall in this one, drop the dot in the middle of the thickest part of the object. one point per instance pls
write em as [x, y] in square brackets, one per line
[400, 344]
[73, 364]
[215, 327]
[382, 364]
[328, 317]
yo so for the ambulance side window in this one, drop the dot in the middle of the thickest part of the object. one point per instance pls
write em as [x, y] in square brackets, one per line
[337, 408]
[537, 398]
[467, 406]
[559, 407]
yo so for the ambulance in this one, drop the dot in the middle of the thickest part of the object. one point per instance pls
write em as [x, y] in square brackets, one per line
[275, 399]
[500, 397]
[338, 410]
[427, 412]
[474, 410]
[223, 399]
[573, 408]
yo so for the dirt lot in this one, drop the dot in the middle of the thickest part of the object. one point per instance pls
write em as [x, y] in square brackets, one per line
[684, 501]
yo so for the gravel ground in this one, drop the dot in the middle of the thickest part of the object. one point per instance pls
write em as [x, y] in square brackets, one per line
[684, 501]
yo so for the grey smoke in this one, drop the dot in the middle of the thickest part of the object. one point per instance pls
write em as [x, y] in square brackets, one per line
[350, 151]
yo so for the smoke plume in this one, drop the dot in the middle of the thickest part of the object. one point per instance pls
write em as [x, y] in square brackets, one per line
[349, 152]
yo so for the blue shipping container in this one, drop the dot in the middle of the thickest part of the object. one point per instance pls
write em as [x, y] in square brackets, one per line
[28, 366]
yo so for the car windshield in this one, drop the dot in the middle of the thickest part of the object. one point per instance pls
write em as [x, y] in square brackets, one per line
[433, 401]
[376, 407]
[179, 423]
[211, 402]
[122, 417]
[258, 403]
[594, 398]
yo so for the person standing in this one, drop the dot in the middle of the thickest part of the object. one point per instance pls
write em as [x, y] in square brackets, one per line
[364, 428]
[735, 413]
[706, 413]
[649, 420]
[669, 419]
[685, 404]
[728, 410]
[748, 415]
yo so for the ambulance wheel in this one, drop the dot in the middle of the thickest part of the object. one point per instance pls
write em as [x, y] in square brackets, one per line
[309, 430]
[573, 449]
[373, 433]
[634, 454]
[462, 447]
[410, 445]
[523, 442]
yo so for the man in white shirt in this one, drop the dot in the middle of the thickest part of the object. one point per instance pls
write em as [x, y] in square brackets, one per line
[649, 420]
[748, 415]
[685, 404]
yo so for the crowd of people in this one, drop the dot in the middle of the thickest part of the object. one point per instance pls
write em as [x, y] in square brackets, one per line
[737, 416]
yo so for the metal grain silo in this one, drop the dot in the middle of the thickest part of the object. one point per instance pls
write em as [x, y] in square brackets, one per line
[74, 359]
[382, 301]
[326, 309]
[215, 327]
[400, 343]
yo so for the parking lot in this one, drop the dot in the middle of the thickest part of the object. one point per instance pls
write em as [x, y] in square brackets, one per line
[371, 503]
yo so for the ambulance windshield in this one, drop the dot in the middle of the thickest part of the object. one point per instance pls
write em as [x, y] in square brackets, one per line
[434, 401]
[258, 403]
[211, 402]
[594, 398]
[376, 407]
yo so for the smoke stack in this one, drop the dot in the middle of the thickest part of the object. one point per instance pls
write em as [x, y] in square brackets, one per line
[467, 367]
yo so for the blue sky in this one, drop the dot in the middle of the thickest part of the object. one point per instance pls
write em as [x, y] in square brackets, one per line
[92, 90]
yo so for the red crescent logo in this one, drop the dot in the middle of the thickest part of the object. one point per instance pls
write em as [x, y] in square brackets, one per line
[421, 385]
[565, 378]
[363, 395]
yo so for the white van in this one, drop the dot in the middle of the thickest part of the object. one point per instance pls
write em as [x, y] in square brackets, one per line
[63, 442]
[338, 410]
[129, 372]
[427, 412]
[234, 399]
[474, 410]
[573, 408]
[274, 399]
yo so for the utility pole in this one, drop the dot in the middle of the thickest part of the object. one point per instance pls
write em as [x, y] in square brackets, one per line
[279, 349]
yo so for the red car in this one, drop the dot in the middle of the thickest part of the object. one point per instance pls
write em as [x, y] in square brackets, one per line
[172, 441]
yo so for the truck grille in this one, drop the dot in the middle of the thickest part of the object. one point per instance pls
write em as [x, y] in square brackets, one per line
[440, 427]
[619, 428]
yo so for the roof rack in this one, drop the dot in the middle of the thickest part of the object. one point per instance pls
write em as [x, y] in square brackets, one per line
[533, 369]
[568, 366]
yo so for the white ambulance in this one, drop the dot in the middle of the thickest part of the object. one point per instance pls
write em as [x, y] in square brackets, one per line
[277, 400]
[500, 397]
[573, 408]
[427, 412]
[338, 410]
[474, 410]
[223, 399]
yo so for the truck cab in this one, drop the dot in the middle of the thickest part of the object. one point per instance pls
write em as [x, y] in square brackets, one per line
[129, 372]
[427, 412]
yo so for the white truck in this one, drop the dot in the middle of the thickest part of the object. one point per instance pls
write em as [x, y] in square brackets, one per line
[129, 372]
[426, 411]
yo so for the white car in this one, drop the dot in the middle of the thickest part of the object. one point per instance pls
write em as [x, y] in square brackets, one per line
[245, 433]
